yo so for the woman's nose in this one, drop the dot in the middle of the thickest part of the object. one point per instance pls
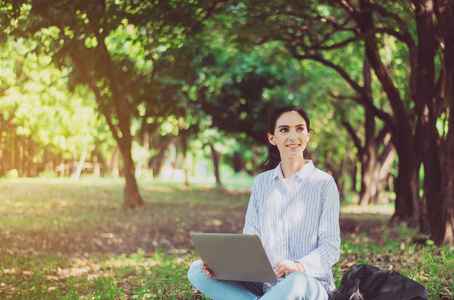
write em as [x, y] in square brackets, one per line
[292, 134]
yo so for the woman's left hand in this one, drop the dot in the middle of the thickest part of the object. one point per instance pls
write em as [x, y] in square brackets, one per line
[285, 267]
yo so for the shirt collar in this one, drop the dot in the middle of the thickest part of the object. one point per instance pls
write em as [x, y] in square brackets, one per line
[302, 173]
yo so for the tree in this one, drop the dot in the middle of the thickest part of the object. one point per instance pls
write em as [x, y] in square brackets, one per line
[46, 123]
[419, 101]
[111, 47]
[241, 85]
[242, 82]
[375, 162]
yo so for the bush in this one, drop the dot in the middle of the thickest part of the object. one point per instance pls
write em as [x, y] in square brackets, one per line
[13, 173]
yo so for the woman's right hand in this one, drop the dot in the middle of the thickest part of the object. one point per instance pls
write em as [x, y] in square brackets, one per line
[206, 271]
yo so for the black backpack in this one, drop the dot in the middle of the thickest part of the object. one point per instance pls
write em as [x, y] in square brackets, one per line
[364, 282]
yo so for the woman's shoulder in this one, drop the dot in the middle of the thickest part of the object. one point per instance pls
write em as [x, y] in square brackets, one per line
[321, 175]
[265, 176]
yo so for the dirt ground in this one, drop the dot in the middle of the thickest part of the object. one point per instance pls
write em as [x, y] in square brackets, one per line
[172, 235]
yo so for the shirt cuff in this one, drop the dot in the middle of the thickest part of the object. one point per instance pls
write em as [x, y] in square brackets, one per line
[300, 265]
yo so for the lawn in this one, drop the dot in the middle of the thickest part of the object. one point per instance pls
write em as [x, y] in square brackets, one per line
[61, 239]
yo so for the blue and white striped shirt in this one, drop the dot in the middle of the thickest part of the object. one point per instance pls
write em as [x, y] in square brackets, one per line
[299, 221]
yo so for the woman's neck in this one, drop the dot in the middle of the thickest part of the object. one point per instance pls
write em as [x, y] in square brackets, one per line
[291, 166]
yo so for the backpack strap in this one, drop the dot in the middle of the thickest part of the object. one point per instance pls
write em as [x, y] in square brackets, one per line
[355, 295]
[349, 284]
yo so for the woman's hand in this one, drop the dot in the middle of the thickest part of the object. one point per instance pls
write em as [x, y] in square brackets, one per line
[286, 266]
[206, 271]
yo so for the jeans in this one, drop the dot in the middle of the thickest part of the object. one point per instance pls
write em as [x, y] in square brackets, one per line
[296, 285]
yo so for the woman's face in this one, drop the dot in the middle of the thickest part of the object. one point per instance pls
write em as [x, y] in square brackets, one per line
[290, 135]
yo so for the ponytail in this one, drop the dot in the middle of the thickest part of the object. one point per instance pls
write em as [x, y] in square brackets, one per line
[272, 159]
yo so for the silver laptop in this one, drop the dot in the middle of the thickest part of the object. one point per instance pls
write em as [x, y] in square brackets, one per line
[234, 256]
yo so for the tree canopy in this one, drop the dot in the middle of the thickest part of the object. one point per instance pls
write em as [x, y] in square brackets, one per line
[376, 77]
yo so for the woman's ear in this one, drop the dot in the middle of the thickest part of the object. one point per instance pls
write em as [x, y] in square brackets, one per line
[271, 139]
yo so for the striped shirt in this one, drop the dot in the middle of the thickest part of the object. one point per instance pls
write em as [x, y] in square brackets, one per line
[299, 221]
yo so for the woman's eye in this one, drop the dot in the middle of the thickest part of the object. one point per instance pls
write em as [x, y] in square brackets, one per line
[284, 130]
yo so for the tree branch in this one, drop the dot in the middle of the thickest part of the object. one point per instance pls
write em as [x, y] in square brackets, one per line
[363, 99]
[354, 136]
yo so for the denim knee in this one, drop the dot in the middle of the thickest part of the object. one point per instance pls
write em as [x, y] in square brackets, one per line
[305, 285]
[297, 276]
[302, 279]
[195, 273]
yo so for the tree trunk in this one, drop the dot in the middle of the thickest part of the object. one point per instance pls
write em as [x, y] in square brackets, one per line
[444, 233]
[73, 166]
[448, 162]
[407, 197]
[146, 145]
[353, 173]
[336, 173]
[96, 165]
[406, 187]
[31, 166]
[164, 146]
[6, 126]
[215, 157]
[237, 162]
[115, 163]
[114, 106]
[373, 167]
[80, 165]
[132, 196]
[156, 162]
[368, 154]
[184, 150]
[440, 203]
[370, 181]
[427, 132]
[20, 155]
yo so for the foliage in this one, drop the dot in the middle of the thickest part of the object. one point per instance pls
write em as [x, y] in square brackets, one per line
[169, 75]
[119, 50]
[242, 82]
[153, 67]
[41, 107]
[409, 47]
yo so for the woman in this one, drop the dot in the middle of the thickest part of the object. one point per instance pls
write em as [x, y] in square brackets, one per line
[294, 209]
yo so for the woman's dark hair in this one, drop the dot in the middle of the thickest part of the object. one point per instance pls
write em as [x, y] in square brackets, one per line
[274, 158]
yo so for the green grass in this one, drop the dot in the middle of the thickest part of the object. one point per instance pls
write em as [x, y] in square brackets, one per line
[96, 277]
[61, 239]
[394, 250]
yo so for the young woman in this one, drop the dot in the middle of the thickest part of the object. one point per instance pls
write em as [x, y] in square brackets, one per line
[294, 209]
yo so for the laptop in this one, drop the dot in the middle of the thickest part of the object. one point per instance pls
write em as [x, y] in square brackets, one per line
[234, 256]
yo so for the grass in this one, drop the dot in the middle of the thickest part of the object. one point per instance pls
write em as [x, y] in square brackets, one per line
[61, 239]
[96, 277]
[394, 250]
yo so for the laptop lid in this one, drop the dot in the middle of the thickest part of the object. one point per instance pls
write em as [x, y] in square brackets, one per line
[234, 256]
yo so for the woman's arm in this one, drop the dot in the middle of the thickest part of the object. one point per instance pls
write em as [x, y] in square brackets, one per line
[251, 222]
[321, 260]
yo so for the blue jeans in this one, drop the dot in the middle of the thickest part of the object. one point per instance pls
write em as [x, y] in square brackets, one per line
[296, 285]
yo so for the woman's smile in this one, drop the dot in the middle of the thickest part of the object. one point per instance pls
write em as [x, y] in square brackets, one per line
[293, 146]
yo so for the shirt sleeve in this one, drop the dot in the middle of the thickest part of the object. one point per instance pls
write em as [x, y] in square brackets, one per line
[251, 223]
[320, 261]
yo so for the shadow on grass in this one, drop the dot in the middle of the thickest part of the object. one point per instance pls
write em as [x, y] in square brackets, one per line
[61, 239]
